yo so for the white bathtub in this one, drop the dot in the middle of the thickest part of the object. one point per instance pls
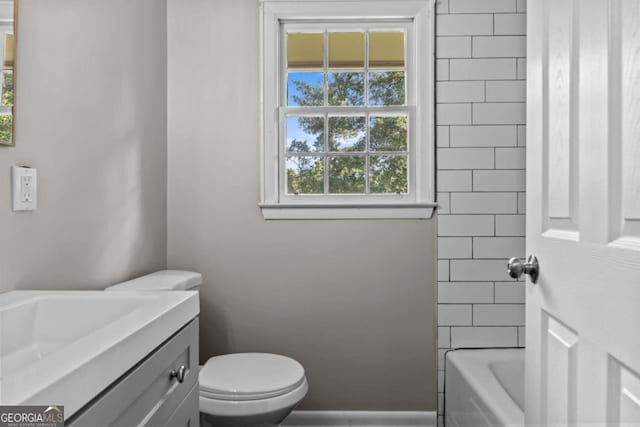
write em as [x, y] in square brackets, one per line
[484, 388]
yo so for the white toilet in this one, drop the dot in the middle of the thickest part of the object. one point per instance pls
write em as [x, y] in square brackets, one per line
[241, 389]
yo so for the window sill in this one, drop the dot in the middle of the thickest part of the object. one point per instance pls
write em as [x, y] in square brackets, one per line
[324, 211]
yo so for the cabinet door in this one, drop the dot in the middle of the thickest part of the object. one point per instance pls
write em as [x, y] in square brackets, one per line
[147, 395]
[188, 413]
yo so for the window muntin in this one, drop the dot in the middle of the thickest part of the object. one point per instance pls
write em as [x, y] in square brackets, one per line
[346, 117]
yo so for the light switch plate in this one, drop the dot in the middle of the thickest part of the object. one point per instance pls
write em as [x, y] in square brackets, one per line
[25, 188]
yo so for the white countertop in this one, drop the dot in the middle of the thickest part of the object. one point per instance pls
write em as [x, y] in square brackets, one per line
[65, 347]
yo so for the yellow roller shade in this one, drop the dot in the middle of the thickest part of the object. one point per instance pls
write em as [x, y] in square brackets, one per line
[386, 49]
[9, 51]
[305, 50]
[346, 50]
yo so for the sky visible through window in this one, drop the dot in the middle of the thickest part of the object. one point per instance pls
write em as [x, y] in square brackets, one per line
[294, 131]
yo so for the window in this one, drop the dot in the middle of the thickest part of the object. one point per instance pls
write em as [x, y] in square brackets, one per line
[347, 109]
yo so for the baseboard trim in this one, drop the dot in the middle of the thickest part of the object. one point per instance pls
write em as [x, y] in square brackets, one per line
[361, 418]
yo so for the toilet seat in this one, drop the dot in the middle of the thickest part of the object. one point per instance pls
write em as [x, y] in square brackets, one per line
[249, 376]
[250, 383]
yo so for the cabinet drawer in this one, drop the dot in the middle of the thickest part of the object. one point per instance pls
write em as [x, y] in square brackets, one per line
[188, 413]
[147, 395]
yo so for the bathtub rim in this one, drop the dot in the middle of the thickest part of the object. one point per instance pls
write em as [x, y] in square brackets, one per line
[474, 365]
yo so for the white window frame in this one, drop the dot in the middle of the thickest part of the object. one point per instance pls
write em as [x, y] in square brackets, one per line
[417, 17]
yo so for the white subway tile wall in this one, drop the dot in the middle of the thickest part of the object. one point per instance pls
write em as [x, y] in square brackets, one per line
[454, 314]
[454, 180]
[466, 158]
[498, 46]
[510, 24]
[510, 225]
[443, 202]
[465, 292]
[510, 158]
[506, 91]
[454, 247]
[481, 113]
[442, 69]
[483, 136]
[498, 180]
[460, 91]
[521, 69]
[442, 6]
[522, 136]
[483, 203]
[466, 225]
[521, 336]
[453, 114]
[509, 293]
[464, 25]
[482, 6]
[484, 336]
[499, 113]
[467, 270]
[498, 247]
[453, 47]
[443, 270]
[483, 69]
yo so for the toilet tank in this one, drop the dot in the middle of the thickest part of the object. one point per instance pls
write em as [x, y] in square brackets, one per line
[165, 280]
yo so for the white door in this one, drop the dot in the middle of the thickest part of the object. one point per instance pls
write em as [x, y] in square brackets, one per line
[583, 213]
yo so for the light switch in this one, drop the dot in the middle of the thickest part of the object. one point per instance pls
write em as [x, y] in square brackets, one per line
[25, 188]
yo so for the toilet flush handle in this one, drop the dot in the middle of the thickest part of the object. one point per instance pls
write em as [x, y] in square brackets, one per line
[178, 374]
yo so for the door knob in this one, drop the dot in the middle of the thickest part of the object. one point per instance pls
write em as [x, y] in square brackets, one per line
[516, 267]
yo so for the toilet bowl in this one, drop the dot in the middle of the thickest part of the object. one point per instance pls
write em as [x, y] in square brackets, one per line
[261, 387]
[239, 389]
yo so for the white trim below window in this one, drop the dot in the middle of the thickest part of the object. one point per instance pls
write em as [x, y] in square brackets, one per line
[420, 203]
[344, 211]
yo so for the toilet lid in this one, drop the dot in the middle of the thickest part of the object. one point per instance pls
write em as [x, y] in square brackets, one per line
[249, 376]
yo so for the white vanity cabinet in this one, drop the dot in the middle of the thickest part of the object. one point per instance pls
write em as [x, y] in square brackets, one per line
[161, 390]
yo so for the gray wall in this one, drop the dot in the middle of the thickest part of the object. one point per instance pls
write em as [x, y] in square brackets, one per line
[91, 117]
[353, 301]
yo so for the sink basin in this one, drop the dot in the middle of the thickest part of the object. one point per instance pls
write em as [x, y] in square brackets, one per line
[65, 347]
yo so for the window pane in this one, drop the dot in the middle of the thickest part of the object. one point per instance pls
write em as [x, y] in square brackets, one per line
[346, 88]
[386, 49]
[346, 50]
[305, 50]
[388, 133]
[386, 88]
[347, 133]
[346, 174]
[388, 174]
[7, 88]
[305, 89]
[305, 134]
[305, 175]
[6, 127]
[9, 51]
